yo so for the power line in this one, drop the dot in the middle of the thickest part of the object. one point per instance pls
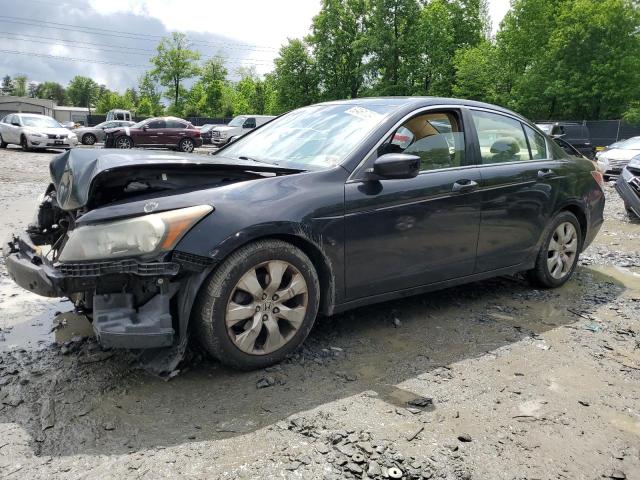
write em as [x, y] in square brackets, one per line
[121, 34]
[90, 60]
[140, 52]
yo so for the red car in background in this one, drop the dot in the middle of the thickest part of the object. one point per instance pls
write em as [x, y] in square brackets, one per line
[160, 132]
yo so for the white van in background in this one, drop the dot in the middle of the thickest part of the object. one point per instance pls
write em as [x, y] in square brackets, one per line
[118, 114]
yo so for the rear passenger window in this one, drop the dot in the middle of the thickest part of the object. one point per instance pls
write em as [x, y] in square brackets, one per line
[537, 143]
[436, 137]
[175, 124]
[501, 138]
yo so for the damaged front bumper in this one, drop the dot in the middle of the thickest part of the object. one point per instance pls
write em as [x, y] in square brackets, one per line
[628, 187]
[133, 304]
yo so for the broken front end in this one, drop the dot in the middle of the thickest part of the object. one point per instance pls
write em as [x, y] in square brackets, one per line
[134, 298]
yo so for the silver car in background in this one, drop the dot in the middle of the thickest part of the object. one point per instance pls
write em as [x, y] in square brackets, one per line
[93, 135]
[33, 131]
[239, 126]
[616, 157]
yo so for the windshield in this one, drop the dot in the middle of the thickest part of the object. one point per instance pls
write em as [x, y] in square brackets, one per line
[310, 138]
[40, 122]
[237, 122]
[139, 124]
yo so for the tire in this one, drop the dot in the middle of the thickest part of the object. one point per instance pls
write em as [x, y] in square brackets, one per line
[24, 143]
[186, 145]
[548, 273]
[3, 144]
[247, 343]
[123, 141]
[89, 139]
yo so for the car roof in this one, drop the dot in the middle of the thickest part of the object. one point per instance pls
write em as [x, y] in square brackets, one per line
[418, 102]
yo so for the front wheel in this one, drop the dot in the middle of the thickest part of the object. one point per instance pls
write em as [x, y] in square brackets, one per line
[259, 305]
[3, 144]
[186, 145]
[89, 139]
[124, 142]
[558, 256]
[24, 143]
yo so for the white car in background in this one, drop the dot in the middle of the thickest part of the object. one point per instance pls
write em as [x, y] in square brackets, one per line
[239, 126]
[33, 131]
[612, 160]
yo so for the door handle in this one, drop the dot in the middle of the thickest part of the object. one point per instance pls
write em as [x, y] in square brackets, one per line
[464, 186]
[546, 173]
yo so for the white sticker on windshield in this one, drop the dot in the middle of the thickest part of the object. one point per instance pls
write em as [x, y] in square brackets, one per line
[363, 113]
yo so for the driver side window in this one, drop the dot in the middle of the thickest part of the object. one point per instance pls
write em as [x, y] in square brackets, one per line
[436, 137]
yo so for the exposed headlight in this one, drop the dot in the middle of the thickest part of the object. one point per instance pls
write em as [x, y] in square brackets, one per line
[37, 134]
[156, 232]
[223, 134]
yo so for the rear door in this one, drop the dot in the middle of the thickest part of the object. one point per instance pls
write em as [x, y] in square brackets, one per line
[175, 131]
[13, 129]
[518, 188]
[406, 233]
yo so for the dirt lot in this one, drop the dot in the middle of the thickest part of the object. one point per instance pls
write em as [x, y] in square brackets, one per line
[493, 380]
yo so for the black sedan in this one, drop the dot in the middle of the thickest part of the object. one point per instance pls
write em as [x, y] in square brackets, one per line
[326, 208]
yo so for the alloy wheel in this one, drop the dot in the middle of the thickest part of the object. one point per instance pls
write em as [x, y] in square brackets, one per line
[89, 139]
[123, 142]
[563, 248]
[266, 307]
[186, 145]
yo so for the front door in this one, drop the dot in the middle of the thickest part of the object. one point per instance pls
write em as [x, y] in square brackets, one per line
[517, 188]
[152, 135]
[412, 232]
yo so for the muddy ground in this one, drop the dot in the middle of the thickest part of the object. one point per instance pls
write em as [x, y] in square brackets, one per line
[493, 380]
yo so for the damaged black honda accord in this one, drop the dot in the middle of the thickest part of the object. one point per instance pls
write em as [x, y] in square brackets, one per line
[325, 208]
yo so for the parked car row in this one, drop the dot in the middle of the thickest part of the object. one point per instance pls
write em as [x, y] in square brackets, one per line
[33, 131]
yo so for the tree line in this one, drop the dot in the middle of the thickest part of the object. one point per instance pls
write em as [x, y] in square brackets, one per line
[550, 59]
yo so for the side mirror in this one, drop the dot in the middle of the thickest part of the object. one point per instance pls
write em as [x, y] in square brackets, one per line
[392, 166]
[15, 124]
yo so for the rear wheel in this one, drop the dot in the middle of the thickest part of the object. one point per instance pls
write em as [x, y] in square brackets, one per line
[259, 305]
[559, 253]
[186, 145]
[89, 139]
[124, 142]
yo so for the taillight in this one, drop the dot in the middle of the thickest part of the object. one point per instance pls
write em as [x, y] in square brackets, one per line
[598, 177]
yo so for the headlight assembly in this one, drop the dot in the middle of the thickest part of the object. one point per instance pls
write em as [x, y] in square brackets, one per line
[154, 233]
[37, 134]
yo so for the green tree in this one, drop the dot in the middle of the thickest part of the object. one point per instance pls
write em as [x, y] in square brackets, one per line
[174, 63]
[32, 89]
[214, 78]
[339, 41]
[394, 41]
[296, 79]
[475, 73]
[7, 85]
[19, 86]
[437, 34]
[195, 104]
[83, 91]
[150, 97]
[52, 91]
[110, 100]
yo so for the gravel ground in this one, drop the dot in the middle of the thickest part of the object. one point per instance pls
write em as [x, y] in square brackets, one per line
[493, 380]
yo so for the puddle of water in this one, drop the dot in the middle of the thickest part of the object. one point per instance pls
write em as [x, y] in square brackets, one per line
[37, 333]
[621, 275]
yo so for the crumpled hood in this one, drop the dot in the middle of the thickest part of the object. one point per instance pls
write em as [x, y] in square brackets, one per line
[79, 173]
